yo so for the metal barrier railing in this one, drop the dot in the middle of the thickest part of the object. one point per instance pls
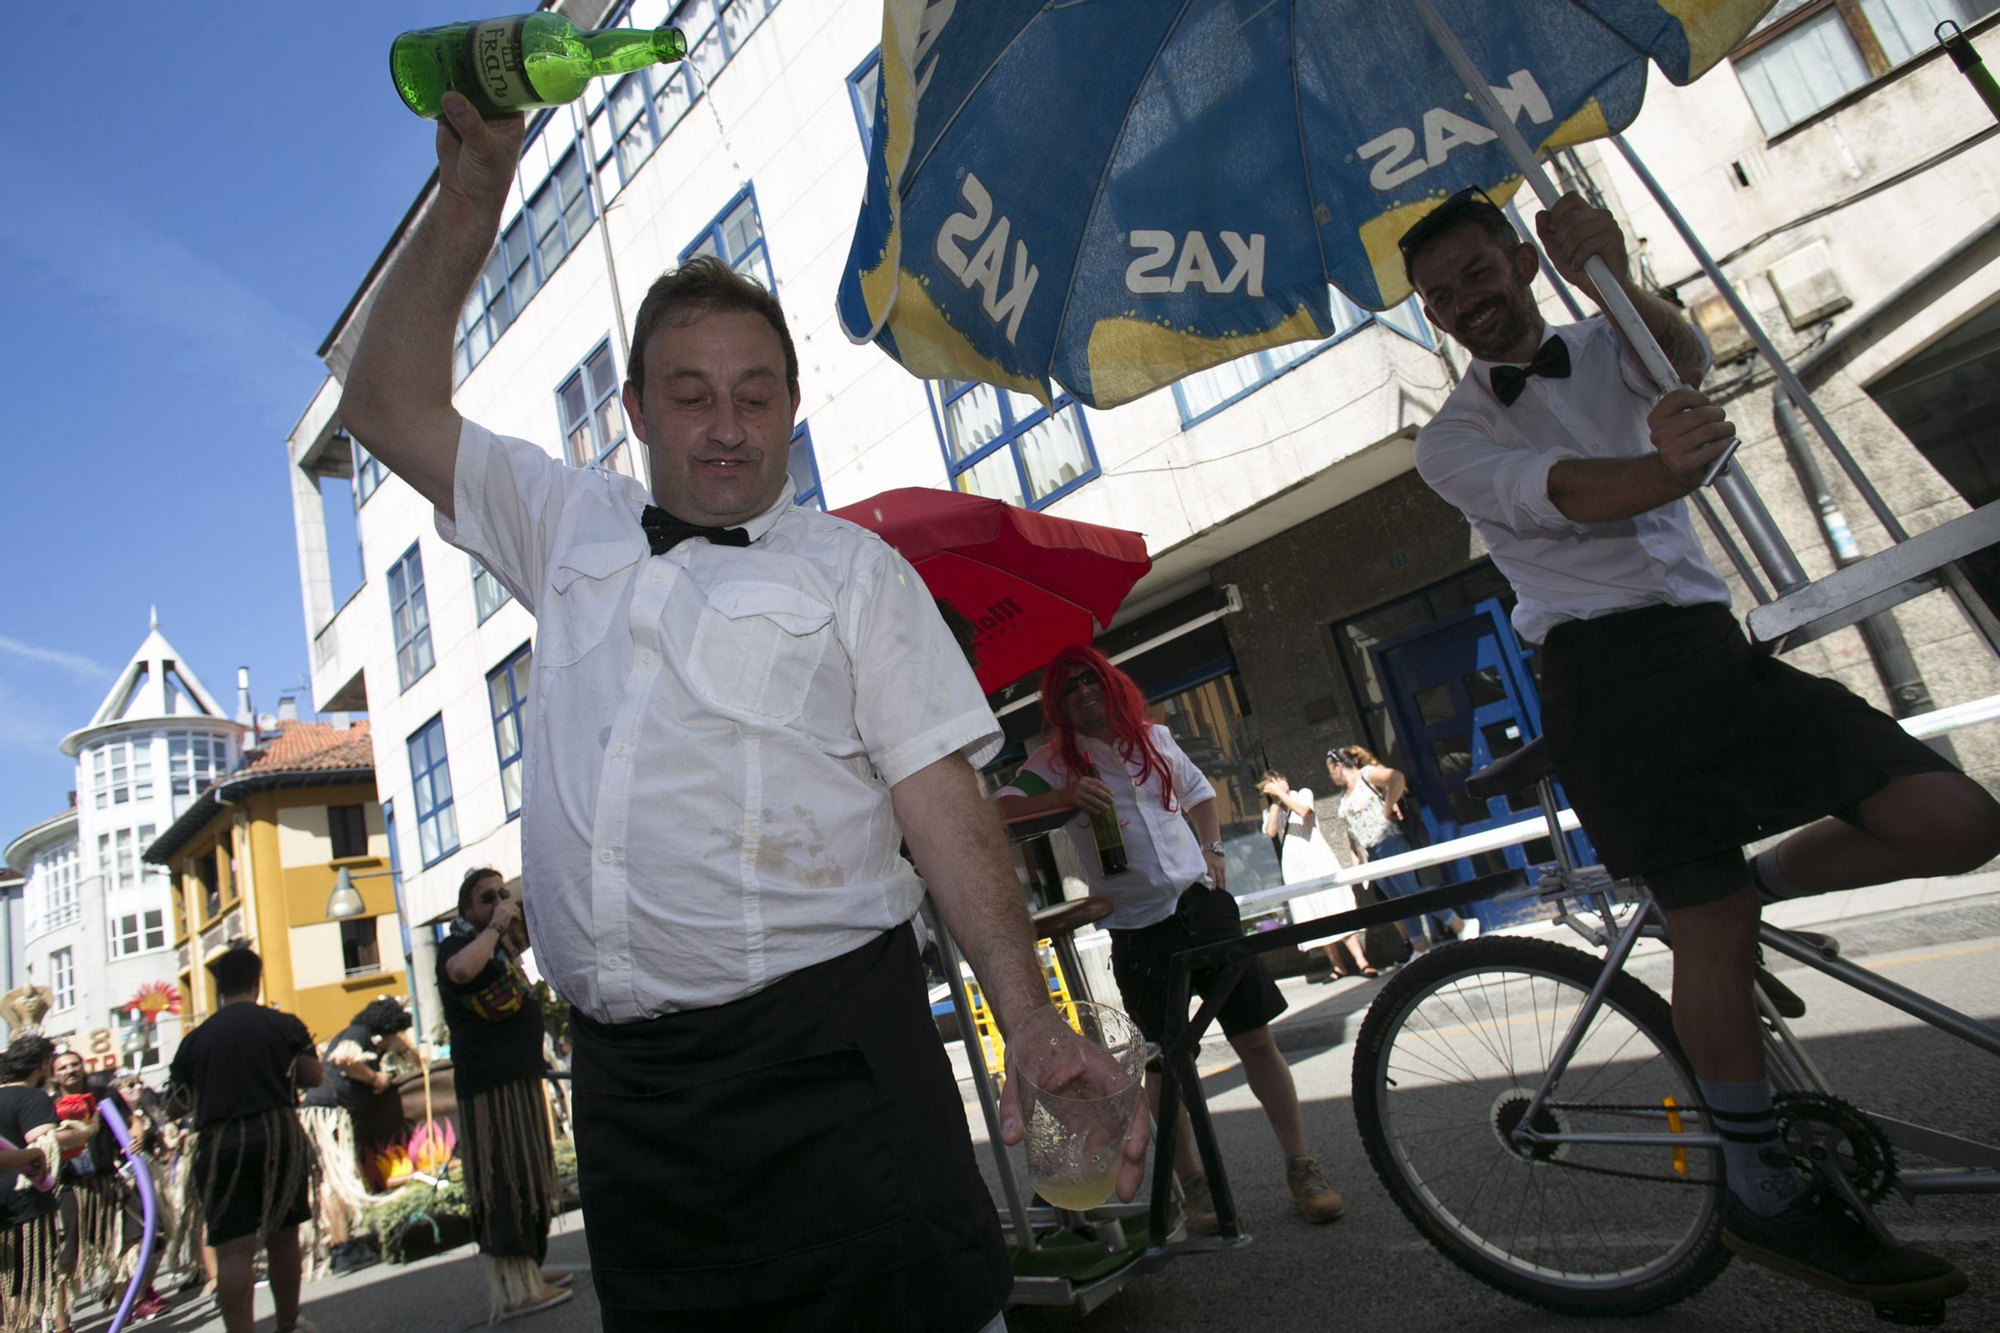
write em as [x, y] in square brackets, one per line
[1923, 726]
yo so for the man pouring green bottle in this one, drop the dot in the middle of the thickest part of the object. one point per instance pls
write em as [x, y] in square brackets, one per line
[741, 708]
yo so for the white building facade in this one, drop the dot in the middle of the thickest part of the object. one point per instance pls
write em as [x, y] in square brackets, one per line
[1303, 575]
[97, 929]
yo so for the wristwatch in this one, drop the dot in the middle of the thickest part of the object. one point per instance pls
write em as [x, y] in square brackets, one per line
[1213, 848]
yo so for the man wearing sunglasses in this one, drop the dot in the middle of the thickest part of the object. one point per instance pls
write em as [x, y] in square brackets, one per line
[1675, 741]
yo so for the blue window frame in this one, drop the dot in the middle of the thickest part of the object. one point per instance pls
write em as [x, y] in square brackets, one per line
[736, 237]
[367, 471]
[643, 108]
[488, 593]
[410, 616]
[804, 467]
[531, 246]
[1204, 393]
[593, 420]
[1007, 446]
[430, 778]
[862, 87]
[507, 692]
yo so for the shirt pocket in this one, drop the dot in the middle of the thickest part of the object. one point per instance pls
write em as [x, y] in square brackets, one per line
[756, 648]
[585, 595]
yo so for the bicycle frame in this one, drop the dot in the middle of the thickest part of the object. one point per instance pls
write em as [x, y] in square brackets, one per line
[1791, 1067]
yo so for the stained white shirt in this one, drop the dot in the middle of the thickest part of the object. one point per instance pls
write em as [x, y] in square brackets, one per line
[712, 732]
[1162, 857]
[1492, 462]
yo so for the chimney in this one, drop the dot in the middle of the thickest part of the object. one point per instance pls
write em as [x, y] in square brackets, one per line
[72, 800]
[245, 715]
[288, 709]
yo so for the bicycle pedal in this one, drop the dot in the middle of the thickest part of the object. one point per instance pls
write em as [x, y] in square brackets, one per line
[1783, 998]
[1912, 1314]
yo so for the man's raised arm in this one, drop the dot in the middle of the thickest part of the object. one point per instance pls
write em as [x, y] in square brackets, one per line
[397, 397]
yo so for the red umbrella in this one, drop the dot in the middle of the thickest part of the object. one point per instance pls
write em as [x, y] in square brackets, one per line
[1027, 583]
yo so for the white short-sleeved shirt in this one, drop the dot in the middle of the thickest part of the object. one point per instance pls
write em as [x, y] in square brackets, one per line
[712, 735]
[1492, 462]
[1161, 855]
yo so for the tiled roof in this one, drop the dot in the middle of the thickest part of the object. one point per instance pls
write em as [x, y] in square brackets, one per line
[308, 747]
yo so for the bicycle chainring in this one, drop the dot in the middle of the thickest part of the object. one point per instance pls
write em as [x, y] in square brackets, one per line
[1817, 1128]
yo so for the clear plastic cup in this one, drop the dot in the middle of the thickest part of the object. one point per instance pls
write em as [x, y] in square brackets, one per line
[1076, 1132]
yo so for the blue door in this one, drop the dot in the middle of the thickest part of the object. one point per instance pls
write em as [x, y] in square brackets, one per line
[1459, 693]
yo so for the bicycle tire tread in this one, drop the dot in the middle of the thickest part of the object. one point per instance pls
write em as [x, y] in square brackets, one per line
[1642, 1005]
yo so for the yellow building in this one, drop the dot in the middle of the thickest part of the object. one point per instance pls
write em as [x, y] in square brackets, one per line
[254, 859]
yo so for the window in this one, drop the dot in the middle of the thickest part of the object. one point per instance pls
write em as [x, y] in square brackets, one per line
[632, 125]
[1007, 446]
[488, 593]
[530, 248]
[137, 932]
[62, 977]
[118, 853]
[804, 468]
[410, 616]
[55, 901]
[367, 471]
[360, 946]
[347, 829]
[122, 771]
[593, 422]
[863, 86]
[430, 775]
[193, 762]
[1807, 54]
[507, 690]
[1209, 391]
[736, 237]
[211, 887]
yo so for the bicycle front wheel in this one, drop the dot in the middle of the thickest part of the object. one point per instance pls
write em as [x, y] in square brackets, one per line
[1448, 1061]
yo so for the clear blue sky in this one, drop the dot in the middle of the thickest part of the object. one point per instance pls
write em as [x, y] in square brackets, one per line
[190, 198]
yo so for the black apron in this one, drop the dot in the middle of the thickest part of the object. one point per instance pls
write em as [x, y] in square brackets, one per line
[1675, 740]
[804, 1145]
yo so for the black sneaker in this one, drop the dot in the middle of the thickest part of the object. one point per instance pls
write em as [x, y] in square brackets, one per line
[1818, 1239]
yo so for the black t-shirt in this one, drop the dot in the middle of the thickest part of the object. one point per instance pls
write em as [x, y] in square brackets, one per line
[22, 1109]
[238, 1061]
[486, 1054]
[337, 1089]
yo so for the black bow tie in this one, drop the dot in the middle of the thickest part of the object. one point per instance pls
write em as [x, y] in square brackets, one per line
[665, 532]
[1552, 361]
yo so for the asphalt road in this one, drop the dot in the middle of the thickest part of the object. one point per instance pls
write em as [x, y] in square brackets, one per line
[1370, 1269]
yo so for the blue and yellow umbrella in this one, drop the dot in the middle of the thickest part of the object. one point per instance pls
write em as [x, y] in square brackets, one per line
[1111, 194]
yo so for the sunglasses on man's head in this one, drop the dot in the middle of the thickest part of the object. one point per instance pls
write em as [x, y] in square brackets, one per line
[1443, 217]
[1070, 685]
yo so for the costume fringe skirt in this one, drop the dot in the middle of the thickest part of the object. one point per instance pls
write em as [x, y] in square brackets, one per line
[31, 1277]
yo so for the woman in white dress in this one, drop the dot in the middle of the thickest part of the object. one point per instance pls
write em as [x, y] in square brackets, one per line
[1289, 820]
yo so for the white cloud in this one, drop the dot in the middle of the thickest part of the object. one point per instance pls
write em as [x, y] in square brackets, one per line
[75, 663]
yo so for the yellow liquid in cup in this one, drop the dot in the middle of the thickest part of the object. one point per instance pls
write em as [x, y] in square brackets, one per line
[1078, 1194]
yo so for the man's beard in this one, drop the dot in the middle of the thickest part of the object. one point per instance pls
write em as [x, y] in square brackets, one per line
[1503, 335]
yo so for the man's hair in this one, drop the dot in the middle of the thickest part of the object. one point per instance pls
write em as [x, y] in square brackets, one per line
[23, 1056]
[383, 1017]
[699, 287]
[472, 880]
[1124, 705]
[236, 970]
[1467, 208]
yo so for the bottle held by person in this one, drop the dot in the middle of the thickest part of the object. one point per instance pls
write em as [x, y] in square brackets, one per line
[505, 65]
[1104, 829]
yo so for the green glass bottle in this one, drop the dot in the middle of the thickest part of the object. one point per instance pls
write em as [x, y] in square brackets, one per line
[529, 60]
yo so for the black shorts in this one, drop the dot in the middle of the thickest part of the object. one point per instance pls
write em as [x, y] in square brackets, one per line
[1676, 743]
[235, 1202]
[1140, 962]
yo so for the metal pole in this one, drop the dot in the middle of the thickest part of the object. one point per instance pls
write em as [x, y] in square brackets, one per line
[1904, 683]
[1955, 582]
[1762, 537]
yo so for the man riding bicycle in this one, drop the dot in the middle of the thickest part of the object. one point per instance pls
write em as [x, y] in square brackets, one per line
[1676, 741]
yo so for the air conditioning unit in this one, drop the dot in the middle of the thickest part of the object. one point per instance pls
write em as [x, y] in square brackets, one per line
[1807, 285]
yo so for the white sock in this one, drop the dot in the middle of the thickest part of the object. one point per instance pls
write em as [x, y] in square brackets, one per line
[1761, 1173]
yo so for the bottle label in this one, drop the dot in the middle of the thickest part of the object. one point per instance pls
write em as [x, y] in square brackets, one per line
[495, 49]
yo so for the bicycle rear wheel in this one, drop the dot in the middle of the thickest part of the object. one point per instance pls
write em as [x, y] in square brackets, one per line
[1448, 1059]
